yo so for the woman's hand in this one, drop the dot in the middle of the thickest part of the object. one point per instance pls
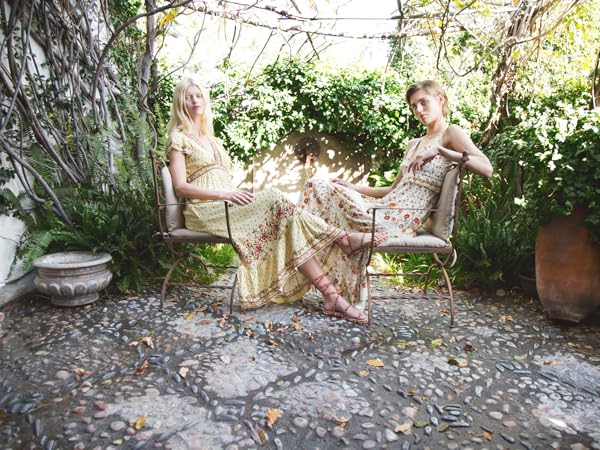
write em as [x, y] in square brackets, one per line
[423, 158]
[343, 183]
[240, 197]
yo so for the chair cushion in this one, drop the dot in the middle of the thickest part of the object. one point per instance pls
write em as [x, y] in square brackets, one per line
[423, 242]
[175, 205]
[183, 234]
[441, 222]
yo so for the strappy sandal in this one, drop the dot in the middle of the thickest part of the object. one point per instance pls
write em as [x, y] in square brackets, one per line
[343, 314]
[324, 287]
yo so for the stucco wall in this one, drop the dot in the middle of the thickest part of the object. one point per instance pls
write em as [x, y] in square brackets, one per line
[280, 168]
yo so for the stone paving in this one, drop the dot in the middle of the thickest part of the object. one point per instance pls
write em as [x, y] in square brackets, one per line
[120, 374]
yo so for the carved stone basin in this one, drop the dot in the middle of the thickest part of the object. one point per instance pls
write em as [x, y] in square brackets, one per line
[72, 278]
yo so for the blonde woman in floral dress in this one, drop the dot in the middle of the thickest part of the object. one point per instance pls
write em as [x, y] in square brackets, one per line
[282, 250]
[415, 189]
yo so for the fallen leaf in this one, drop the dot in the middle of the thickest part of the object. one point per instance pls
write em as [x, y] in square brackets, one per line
[506, 318]
[139, 422]
[272, 342]
[296, 319]
[548, 362]
[272, 416]
[3, 415]
[404, 428]
[460, 362]
[189, 315]
[226, 359]
[520, 357]
[78, 409]
[468, 347]
[201, 308]
[363, 373]
[375, 363]
[183, 372]
[311, 337]
[298, 326]
[487, 436]
[500, 292]
[206, 321]
[148, 341]
[435, 343]
[223, 322]
[139, 370]
[342, 421]
[80, 372]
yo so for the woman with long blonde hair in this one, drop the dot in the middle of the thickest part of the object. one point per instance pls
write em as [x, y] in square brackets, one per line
[282, 250]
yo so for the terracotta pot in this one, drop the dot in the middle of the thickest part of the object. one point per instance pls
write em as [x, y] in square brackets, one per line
[567, 267]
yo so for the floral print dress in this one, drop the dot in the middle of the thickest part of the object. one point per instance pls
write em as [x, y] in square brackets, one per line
[271, 236]
[345, 208]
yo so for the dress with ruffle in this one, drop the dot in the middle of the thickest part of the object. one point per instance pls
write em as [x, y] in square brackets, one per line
[348, 209]
[271, 236]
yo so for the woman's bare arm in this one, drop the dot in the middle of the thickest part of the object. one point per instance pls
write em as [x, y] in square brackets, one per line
[455, 142]
[188, 190]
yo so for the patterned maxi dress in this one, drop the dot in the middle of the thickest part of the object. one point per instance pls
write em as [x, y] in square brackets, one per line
[347, 209]
[271, 237]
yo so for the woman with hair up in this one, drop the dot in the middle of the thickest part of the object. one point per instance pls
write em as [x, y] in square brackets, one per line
[281, 250]
[416, 188]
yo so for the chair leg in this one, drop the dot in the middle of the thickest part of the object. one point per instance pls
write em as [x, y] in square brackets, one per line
[368, 300]
[449, 285]
[232, 293]
[166, 280]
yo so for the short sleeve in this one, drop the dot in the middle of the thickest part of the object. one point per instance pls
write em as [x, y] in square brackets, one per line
[178, 142]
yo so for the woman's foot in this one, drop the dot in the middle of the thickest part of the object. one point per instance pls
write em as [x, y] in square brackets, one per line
[353, 243]
[337, 306]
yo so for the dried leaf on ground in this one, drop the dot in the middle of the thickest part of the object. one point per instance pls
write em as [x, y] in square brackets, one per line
[404, 428]
[201, 308]
[375, 363]
[139, 422]
[223, 322]
[78, 409]
[226, 359]
[147, 340]
[189, 315]
[206, 321]
[183, 372]
[435, 343]
[298, 326]
[548, 362]
[296, 319]
[80, 372]
[468, 347]
[506, 318]
[500, 293]
[342, 421]
[272, 342]
[460, 362]
[520, 357]
[487, 436]
[272, 416]
[363, 373]
[139, 370]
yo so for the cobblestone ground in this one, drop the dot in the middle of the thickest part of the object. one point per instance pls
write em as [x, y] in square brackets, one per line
[121, 374]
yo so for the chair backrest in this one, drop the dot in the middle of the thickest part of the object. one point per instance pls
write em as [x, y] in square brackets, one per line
[174, 205]
[169, 208]
[441, 221]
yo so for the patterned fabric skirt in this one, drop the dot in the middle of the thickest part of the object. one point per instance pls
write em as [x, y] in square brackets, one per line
[272, 238]
[347, 209]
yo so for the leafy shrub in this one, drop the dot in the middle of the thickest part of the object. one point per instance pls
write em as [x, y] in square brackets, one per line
[555, 150]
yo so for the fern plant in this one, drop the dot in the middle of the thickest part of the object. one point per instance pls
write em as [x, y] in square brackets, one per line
[111, 212]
